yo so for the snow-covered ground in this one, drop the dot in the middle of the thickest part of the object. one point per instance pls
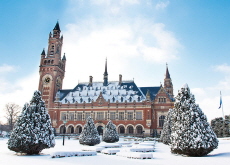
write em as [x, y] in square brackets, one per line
[161, 155]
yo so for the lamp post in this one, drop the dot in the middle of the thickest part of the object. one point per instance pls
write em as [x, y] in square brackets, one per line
[64, 130]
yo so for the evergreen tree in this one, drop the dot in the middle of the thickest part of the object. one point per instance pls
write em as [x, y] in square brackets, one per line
[226, 126]
[89, 135]
[33, 131]
[191, 134]
[217, 126]
[221, 126]
[110, 135]
[166, 132]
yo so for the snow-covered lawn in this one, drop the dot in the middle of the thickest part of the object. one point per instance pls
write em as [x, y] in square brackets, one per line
[161, 155]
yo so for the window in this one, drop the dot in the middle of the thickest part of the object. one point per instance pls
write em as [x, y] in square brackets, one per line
[139, 115]
[112, 115]
[71, 116]
[79, 116]
[161, 121]
[162, 100]
[63, 116]
[121, 115]
[87, 114]
[100, 116]
[130, 116]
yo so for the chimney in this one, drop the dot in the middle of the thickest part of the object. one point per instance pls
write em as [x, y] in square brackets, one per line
[90, 80]
[120, 79]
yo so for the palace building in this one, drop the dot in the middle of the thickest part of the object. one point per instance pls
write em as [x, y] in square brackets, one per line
[134, 110]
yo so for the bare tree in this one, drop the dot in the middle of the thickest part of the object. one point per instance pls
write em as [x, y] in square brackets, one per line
[12, 110]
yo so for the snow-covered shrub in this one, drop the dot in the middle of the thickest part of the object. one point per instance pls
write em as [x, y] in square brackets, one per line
[33, 131]
[191, 134]
[166, 132]
[110, 135]
[221, 126]
[89, 135]
[226, 129]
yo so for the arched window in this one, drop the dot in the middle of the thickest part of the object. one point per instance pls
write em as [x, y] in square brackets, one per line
[78, 129]
[139, 129]
[62, 129]
[130, 129]
[121, 129]
[70, 129]
[161, 120]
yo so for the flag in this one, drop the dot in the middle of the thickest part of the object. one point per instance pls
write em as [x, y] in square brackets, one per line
[220, 100]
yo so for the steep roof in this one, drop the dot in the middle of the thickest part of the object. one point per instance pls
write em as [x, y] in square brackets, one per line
[57, 27]
[113, 92]
[152, 90]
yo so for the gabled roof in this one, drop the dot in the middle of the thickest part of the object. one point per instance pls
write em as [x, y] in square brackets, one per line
[152, 90]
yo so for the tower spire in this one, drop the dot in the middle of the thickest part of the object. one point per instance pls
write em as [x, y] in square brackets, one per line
[105, 74]
[168, 82]
[167, 75]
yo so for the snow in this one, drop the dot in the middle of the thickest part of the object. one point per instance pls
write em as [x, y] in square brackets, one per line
[113, 92]
[161, 155]
[59, 154]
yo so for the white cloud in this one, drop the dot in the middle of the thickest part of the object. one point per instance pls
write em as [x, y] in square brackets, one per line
[6, 68]
[223, 68]
[21, 92]
[162, 5]
[89, 42]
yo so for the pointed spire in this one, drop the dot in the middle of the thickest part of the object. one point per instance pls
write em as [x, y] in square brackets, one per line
[57, 27]
[64, 58]
[43, 52]
[105, 74]
[167, 75]
[106, 67]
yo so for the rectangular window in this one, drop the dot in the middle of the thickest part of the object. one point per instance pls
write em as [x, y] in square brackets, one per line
[100, 115]
[112, 115]
[71, 116]
[139, 115]
[63, 116]
[121, 115]
[130, 116]
[87, 114]
[79, 116]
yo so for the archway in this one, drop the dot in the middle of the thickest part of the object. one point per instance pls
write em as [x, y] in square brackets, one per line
[62, 129]
[139, 129]
[130, 129]
[78, 129]
[70, 129]
[121, 129]
[100, 130]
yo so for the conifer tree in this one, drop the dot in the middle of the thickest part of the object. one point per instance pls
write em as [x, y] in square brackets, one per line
[89, 135]
[33, 131]
[166, 132]
[191, 134]
[110, 135]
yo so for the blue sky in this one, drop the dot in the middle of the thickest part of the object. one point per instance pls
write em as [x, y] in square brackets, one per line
[137, 36]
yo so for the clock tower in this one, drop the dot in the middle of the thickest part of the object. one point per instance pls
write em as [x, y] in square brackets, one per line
[52, 67]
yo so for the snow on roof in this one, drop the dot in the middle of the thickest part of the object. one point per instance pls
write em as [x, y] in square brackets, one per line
[126, 91]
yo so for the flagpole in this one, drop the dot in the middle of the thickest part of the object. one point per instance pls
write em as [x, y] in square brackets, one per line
[222, 105]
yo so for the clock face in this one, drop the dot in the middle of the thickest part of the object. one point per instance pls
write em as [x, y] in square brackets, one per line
[47, 80]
